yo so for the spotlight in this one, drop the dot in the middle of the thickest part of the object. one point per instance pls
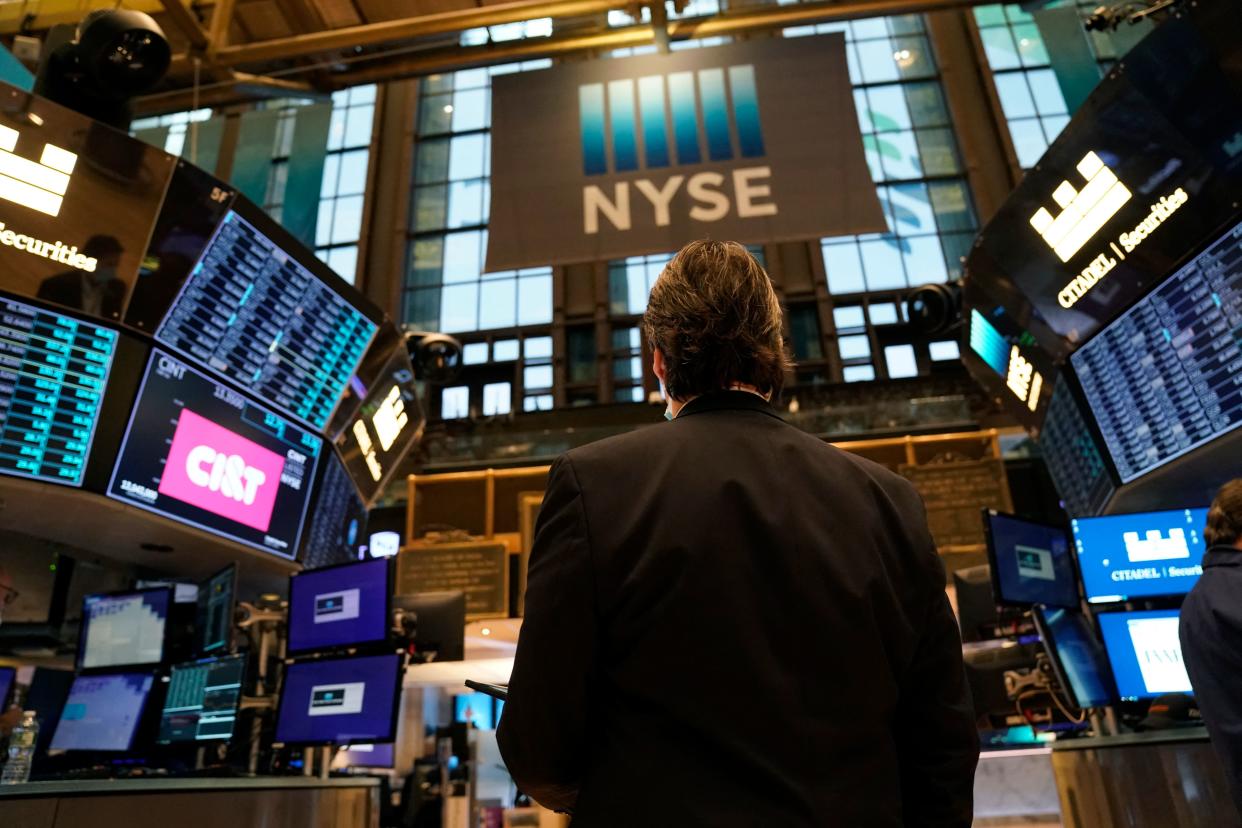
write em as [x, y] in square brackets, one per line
[934, 309]
[436, 357]
[112, 56]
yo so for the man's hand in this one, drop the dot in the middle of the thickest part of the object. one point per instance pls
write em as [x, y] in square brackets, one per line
[10, 719]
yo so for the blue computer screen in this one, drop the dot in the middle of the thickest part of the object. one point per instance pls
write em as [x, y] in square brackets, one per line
[338, 606]
[1145, 653]
[102, 712]
[339, 701]
[1031, 562]
[124, 629]
[366, 755]
[476, 709]
[1140, 555]
[8, 675]
[1079, 654]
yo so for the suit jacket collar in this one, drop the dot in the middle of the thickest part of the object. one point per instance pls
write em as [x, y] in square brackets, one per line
[727, 401]
[1221, 555]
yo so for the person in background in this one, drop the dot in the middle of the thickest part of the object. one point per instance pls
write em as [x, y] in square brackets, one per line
[98, 293]
[1211, 633]
[729, 621]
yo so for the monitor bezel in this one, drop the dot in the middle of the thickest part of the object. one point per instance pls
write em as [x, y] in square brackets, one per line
[994, 570]
[8, 693]
[1176, 611]
[393, 719]
[230, 636]
[128, 667]
[236, 708]
[1128, 597]
[1058, 665]
[139, 721]
[390, 576]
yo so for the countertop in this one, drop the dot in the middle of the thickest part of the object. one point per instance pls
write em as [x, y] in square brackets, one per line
[1151, 737]
[156, 784]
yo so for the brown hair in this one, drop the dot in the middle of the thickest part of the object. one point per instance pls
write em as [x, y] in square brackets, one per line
[1224, 520]
[716, 319]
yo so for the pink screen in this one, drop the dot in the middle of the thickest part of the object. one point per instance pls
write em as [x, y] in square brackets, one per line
[212, 468]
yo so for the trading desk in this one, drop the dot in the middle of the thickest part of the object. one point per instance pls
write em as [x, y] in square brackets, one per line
[1137, 780]
[273, 802]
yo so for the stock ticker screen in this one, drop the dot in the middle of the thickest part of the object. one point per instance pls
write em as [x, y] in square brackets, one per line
[53, 371]
[200, 453]
[1166, 376]
[1073, 458]
[337, 527]
[255, 315]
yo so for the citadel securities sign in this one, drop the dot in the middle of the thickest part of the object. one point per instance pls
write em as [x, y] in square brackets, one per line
[754, 142]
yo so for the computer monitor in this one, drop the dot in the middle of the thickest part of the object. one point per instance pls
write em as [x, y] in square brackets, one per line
[103, 712]
[477, 709]
[123, 629]
[339, 606]
[366, 755]
[202, 700]
[976, 602]
[8, 678]
[439, 623]
[214, 627]
[46, 696]
[1140, 555]
[1078, 658]
[1030, 562]
[1145, 653]
[340, 701]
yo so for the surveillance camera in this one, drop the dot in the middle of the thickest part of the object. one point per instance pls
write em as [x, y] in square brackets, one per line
[436, 357]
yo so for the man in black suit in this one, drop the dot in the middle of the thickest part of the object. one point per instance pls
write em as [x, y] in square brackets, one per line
[728, 621]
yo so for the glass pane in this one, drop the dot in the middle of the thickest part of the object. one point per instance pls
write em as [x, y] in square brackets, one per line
[1047, 92]
[911, 209]
[459, 307]
[993, 15]
[336, 129]
[876, 61]
[430, 208]
[353, 168]
[470, 110]
[926, 104]
[900, 155]
[323, 223]
[455, 402]
[497, 398]
[331, 169]
[951, 205]
[900, 361]
[943, 351]
[474, 353]
[422, 309]
[1015, 96]
[999, 48]
[913, 57]
[364, 94]
[463, 258]
[1030, 45]
[497, 304]
[1028, 141]
[344, 260]
[465, 204]
[854, 347]
[882, 262]
[1053, 124]
[888, 110]
[938, 152]
[845, 273]
[850, 316]
[535, 300]
[804, 331]
[883, 313]
[537, 347]
[347, 222]
[924, 260]
[466, 158]
[358, 126]
[506, 350]
[431, 161]
[537, 376]
[426, 256]
[858, 373]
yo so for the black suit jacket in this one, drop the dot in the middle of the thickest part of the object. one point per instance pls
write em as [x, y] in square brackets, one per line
[1211, 635]
[730, 622]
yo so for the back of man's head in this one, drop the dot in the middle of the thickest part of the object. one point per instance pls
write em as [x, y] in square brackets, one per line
[1224, 521]
[717, 321]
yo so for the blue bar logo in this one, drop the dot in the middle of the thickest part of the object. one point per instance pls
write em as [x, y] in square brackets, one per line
[681, 118]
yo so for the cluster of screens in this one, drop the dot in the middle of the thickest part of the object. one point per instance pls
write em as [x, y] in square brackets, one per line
[1119, 557]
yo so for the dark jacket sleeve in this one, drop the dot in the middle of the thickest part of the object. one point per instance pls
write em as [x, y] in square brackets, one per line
[938, 743]
[1210, 630]
[543, 731]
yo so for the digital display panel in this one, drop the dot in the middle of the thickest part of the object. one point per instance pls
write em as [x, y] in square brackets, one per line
[366, 755]
[1073, 456]
[202, 700]
[1021, 373]
[1145, 653]
[199, 452]
[1077, 656]
[123, 629]
[389, 421]
[214, 627]
[339, 606]
[257, 316]
[339, 701]
[338, 520]
[1122, 557]
[1031, 562]
[8, 676]
[1166, 376]
[102, 712]
[53, 372]
[477, 709]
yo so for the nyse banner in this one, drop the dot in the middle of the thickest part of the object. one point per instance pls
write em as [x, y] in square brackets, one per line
[754, 142]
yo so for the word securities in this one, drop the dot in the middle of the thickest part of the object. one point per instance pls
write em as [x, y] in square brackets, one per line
[1103, 263]
[56, 251]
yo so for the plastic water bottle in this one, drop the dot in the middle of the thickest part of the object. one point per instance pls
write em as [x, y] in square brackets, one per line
[22, 743]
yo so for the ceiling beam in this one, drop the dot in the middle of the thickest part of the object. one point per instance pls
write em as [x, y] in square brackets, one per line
[189, 25]
[49, 13]
[218, 35]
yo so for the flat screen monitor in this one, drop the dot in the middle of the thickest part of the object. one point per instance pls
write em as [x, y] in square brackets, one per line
[340, 701]
[259, 316]
[477, 709]
[124, 629]
[340, 606]
[1140, 555]
[1145, 653]
[102, 712]
[366, 755]
[336, 531]
[1030, 562]
[1161, 379]
[46, 696]
[202, 700]
[8, 678]
[53, 372]
[198, 452]
[1077, 657]
[214, 620]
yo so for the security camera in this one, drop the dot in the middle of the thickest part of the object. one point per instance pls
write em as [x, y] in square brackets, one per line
[935, 309]
[436, 356]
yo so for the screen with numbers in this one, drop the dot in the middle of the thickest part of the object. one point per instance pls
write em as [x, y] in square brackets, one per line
[53, 370]
[199, 452]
